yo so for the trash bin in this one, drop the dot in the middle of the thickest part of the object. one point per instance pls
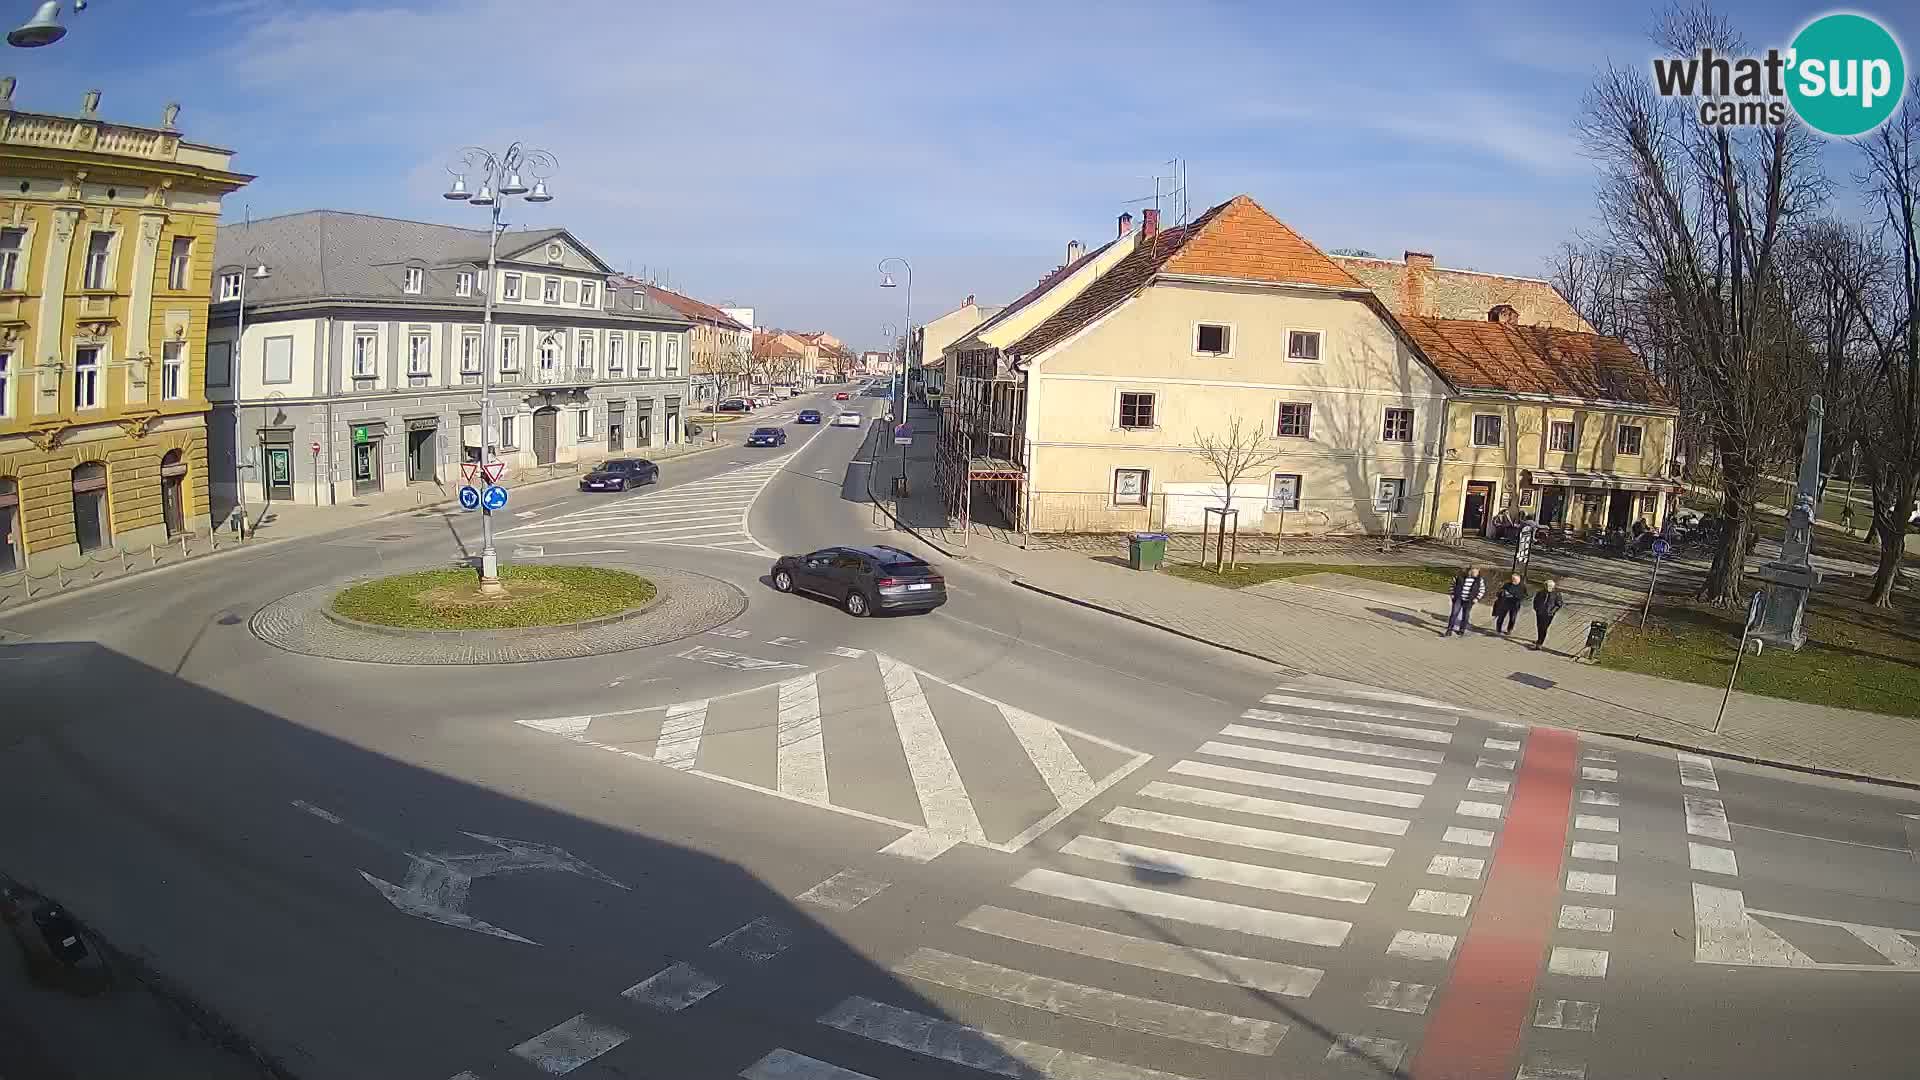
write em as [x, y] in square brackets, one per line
[1596, 634]
[1146, 551]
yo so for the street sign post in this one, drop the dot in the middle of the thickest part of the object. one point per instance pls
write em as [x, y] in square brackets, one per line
[469, 497]
[903, 435]
[1659, 553]
[494, 498]
[1523, 550]
[1755, 607]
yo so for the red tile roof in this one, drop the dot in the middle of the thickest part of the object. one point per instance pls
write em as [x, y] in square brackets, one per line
[1505, 357]
[685, 305]
[768, 347]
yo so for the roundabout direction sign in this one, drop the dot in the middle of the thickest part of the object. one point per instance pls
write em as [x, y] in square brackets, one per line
[495, 497]
[469, 497]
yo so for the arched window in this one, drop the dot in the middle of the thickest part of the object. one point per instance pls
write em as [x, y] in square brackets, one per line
[173, 492]
[550, 353]
[13, 543]
[92, 525]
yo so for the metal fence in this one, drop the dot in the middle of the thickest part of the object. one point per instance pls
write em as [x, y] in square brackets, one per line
[1096, 512]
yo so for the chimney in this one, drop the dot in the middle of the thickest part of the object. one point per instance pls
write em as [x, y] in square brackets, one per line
[969, 302]
[1149, 224]
[1126, 223]
[1416, 288]
[1074, 251]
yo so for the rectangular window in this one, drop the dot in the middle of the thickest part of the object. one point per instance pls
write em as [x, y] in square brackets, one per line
[588, 294]
[366, 355]
[463, 283]
[583, 423]
[1129, 487]
[220, 363]
[1649, 505]
[229, 287]
[180, 263]
[416, 279]
[99, 252]
[1136, 411]
[1284, 492]
[1212, 339]
[509, 352]
[279, 360]
[506, 432]
[470, 354]
[1390, 495]
[12, 245]
[583, 352]
[1397, 426]
[419, 354]
[173, 370]
[6, 388]
[510, 286]
[673, 356]
[616, 353]
[1303, 345]
[643, 355]
[1486, 429]
[86, 377]
[1560, 435]
[550, 290]
[1296, 420]
[1628, 440]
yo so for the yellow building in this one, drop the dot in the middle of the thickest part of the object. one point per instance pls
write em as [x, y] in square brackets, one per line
[106, 256]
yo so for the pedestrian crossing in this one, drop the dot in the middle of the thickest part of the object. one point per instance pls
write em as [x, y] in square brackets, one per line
[710, 513]
[1244, 867]
[877, 739]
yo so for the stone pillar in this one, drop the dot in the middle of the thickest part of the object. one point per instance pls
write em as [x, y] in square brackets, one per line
[142, 366]
[49, 326]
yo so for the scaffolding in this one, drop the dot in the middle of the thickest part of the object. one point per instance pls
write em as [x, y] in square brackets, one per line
[982, 441]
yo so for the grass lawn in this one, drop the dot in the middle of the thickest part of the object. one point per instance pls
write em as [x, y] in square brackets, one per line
[536, 596]
[1856, 657]
[1431, 578]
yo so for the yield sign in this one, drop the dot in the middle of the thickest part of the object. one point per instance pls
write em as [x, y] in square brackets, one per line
[493, 471]
[469, 470]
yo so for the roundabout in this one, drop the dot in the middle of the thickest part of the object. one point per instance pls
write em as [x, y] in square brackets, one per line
[438, 601]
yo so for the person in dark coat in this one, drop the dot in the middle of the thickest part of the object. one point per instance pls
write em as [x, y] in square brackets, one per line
[1467, 590]
[1506, 605]
[1546, 604]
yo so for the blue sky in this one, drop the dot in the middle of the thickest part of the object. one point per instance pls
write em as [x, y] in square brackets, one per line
[771, 153]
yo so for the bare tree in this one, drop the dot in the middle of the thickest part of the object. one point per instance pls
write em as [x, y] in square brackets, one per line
[1699, 216]
[1234, 453]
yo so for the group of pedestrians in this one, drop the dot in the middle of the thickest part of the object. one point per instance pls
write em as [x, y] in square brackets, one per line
[1469, 588]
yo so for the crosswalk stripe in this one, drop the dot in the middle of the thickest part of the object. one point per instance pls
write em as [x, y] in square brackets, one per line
[1184, 1023]
[1338, 746]
[1376, 712]
[679, 744]
[1200, 911]
[1406, 800]
[784, 1064]
[1286, 843]
[1707, 818]
[801, 759]
[1374, 695]
[973, 1047]
[844, 891]
[944, 802]
[1287, 980]
[568, 1045]
[1275, 808]
[1317, 764]
[569, 726]
[672, 988]
[1047, 748]
[1362, 727]
[1226, 871]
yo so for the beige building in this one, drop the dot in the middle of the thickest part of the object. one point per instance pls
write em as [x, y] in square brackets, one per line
[930, 340]
[106, 257]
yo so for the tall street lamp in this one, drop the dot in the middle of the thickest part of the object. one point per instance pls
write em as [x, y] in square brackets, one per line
[252, 267]
[501, 178]
[886, 282]
[44, 28]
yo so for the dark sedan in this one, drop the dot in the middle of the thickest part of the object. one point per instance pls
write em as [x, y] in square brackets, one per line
[767, 436]
[620, 474]
[808, 416]
[734, 404]
[863, 579]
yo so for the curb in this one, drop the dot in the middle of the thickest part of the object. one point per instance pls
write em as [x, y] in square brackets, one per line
[1143, 621]
[500, 634]
[872, 431]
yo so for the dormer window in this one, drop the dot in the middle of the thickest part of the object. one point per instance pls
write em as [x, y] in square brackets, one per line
[463, 283]
[416, 279]
[587, 294]
[1503, 313]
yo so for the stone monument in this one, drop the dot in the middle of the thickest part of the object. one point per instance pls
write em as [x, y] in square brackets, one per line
[1791, 577]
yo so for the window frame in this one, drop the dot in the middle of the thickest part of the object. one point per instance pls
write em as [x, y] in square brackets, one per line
[506, 431]
[173, 370]
[1319, 345]
[670, 358]
[266, 359]
[1146, 488]
[616, 353]
[589, 294]
[1499, 433]
[1273, 500]
[643, 355]
[91, 381]
[473, 345]
[509, 357]
[1231, 332]
[229, 279]
[1399, 499]
[424, 338]
[583, 350]
[556, 356]
[6, 383]
[1280, 415]
[1120, 410]
[413, 280]
[1388, 426]
[100, 261]
[463, 283]
[583, 424]
[180, 264]
[1620, 439]
[371, 354]
[1573, 442]
[12, 259]
[550, 290]
[510, 286]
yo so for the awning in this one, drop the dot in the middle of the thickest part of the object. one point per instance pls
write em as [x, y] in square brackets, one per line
[1606, 481]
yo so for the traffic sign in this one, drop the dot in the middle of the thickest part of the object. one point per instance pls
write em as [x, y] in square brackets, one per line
[903, 435]
[469, 470]
[315, 446]
[1525, 549]
[494, 498]
[1659, 549]
[493, 471]
[469, 498]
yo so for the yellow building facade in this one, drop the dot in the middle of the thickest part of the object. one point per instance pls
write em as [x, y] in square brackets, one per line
[106, 260]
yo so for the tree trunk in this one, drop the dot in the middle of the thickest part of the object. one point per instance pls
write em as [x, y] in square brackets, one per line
[1873, 519]
[1893, 544]
[1728, 573]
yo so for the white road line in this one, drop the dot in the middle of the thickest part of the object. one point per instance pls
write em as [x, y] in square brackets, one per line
[1596, 852]
[1502, 744]
[757, 942]
[1563, 1015]
[1707, 818]
[1895, 944]
[1275, 808]
[569, 1044]
[571, 727]
[1593, 920]
[1582, 963]
[1418, 945]
[1541, 1065]
[1457, 866]
[1322, 705]
[1183, 1023]
[1470, 837]
[1396, 996]
[729, 632]
[921, 845]
[679, 744]
[783, 1064]
[1377, 1051]
[844, 891]
[1406, 800]
[1494, 763]
[785, 642]
[1596, 823]
[801, 748]
[1697, 772]
[1140, 857]
[1317, 764]
[672, 988]
[1055, 761]
[1723, 934]
[1603, 776]
[1135, 900]
[1359, 727]
[1712, 860]
[1436, 902]
[936, 779]
[1172, 958]
[1375, 695]
[973, 1047]
[1596, 797]
[1286, 843]
[1598, 755]
[1590, 882]
[1341, 746]
[851, 654]
[1487, 786]
[1470, 808]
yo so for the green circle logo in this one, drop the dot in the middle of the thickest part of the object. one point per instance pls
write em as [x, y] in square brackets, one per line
[1847, 74]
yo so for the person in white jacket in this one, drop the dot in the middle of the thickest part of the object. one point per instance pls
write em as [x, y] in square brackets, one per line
[1467, 590]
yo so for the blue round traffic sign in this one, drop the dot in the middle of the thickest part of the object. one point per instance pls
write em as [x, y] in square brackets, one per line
[495, 497]
[469, 498]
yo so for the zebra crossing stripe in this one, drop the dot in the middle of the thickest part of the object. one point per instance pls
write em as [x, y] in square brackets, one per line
[1338, 746]
[1140, 857]
[783, 1064]
[1360, 727]
[1220, 832]
[944, 802]
[679, 743]
[1275, 808]
[1135, 900]
[801, 754]
[1405, 800]
[1324, 705]
[568, 1045]
[1047, 748]
[1318, 764]
[973, 1047]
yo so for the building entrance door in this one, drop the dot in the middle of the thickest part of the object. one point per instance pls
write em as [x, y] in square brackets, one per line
[366, 467]
[422, 460]
[11, 543]
[1473, 514]
[546, 435]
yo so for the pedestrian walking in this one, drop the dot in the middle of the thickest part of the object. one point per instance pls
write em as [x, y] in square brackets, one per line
[1467, 590]
[1506, 605]
[1546, 604]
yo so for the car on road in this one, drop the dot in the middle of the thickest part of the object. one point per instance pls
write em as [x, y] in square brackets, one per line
[849, 419]
[863, 580]
[808, 416]
[619, 474]
[767, 436]
[840, 395]
[734, 404]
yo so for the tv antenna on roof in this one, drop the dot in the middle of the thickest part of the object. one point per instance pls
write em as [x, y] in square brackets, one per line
[1172, 187]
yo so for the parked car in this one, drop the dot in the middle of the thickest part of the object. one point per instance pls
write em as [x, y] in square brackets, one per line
[863, 580]
[619, 474]
[808, 416]
[767, 436]
[841, 395]
[761, 401]
[849, 419]
[734, 404]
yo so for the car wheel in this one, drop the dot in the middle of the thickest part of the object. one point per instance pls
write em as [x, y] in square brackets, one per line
[783, 581]
[857, 604]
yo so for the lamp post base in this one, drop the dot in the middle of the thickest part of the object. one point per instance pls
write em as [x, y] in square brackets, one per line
[490, 575]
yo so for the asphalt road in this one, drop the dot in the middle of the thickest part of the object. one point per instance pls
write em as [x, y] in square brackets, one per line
[1011, 837]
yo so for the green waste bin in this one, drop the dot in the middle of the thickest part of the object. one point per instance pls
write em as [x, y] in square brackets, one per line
[1146, 551]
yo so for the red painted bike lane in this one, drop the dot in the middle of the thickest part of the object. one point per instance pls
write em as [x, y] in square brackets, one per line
[1476, 1027]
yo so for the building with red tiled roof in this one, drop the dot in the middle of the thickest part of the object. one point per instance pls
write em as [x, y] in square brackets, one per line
[1416, 287]
[721, 347]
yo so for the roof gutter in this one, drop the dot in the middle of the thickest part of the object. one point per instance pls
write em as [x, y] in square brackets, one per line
[1359, 292]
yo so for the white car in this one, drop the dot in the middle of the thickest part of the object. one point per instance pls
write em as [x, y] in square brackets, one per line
[849, 419]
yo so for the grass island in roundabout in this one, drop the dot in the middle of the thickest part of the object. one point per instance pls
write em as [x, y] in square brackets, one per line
[450, 599]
